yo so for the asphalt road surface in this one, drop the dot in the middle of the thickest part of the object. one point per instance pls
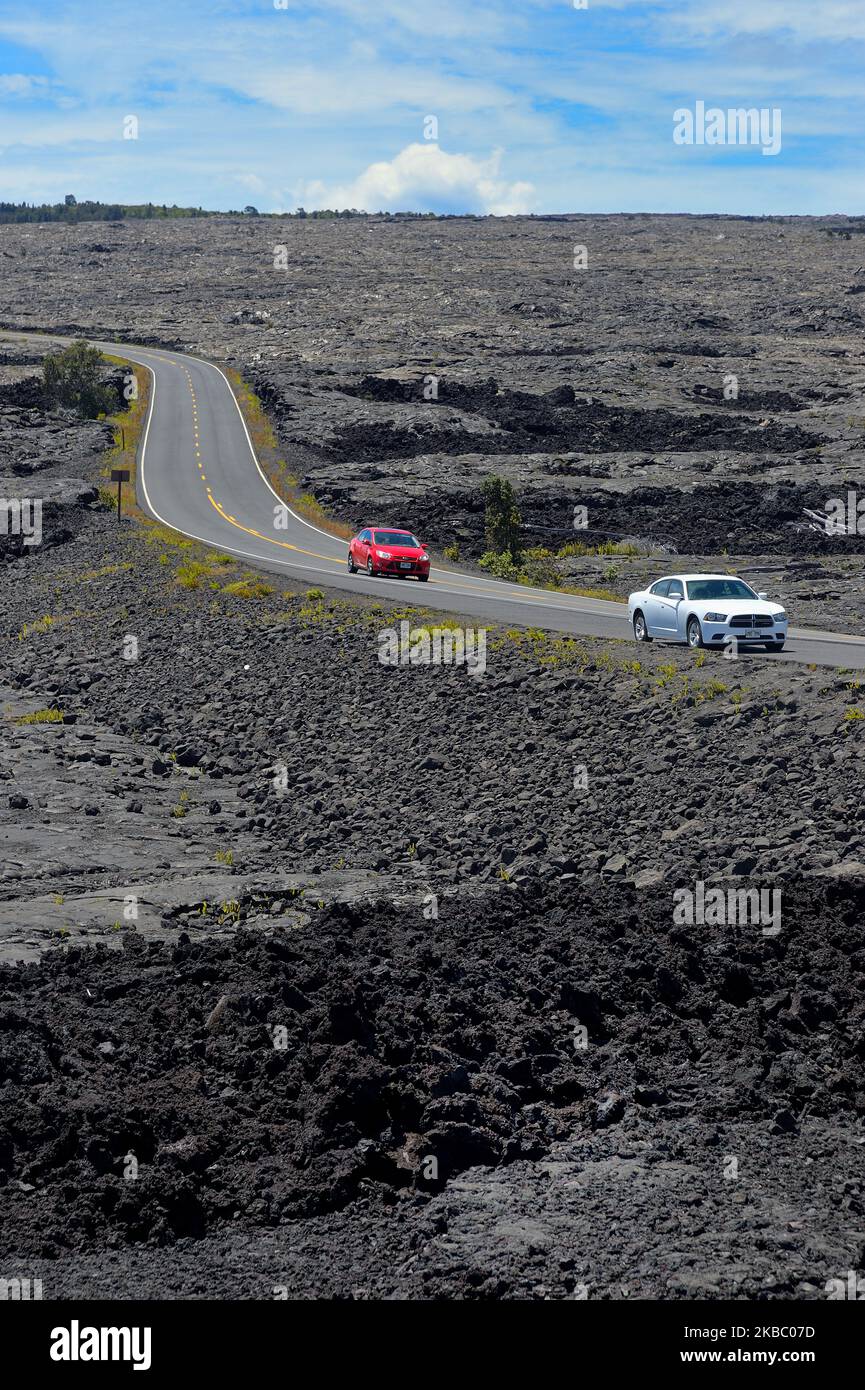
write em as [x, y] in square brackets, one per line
[198, 473]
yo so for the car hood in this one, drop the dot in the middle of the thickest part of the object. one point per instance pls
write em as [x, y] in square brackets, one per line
[734, 606]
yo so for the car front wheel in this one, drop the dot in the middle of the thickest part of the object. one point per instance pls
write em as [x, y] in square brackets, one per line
[641, 632]
[695, 634]
[370, 568]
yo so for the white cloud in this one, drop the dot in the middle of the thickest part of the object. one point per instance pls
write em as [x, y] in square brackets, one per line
[21, 84]
[834, 20]
[425, 178]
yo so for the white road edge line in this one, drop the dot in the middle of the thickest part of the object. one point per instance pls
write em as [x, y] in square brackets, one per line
[803, 634]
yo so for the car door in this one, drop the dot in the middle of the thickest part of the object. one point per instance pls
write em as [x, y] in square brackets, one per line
[364, 541]
[670, 605]
[653, 606]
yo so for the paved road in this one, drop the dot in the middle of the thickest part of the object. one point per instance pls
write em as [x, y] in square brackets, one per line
[198, 473]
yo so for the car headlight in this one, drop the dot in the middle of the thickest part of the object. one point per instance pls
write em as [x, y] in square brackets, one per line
[781, 617]
[383, 554]
[714, 617]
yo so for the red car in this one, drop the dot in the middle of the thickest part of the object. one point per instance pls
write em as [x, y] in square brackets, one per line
[382, 550]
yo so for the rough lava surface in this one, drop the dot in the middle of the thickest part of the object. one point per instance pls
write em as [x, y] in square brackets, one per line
[403, 1009]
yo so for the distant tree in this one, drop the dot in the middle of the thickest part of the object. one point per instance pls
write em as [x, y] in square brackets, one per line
[250, 211]
[70, 200]
[301, 212]
[502, 519]
[73, 378]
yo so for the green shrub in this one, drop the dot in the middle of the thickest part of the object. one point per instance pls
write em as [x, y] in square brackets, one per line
[73, 378]
[502, 519]
[500, 566]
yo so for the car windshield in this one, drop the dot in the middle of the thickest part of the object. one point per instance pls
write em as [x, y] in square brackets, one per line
[719, 588]
[396, 538]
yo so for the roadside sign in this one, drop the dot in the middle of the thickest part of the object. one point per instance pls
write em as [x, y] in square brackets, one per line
[119, 476]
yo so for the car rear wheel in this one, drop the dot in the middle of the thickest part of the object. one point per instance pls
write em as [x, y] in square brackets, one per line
[352, 567]
[695, 634]
[641, 632]
[774, 646]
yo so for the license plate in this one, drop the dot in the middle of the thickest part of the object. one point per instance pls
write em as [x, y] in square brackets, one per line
[405, 564]
[751, 634]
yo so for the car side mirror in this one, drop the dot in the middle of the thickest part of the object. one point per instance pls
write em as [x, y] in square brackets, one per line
[763, 597]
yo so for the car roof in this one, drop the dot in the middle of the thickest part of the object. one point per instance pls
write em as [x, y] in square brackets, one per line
[699, 576]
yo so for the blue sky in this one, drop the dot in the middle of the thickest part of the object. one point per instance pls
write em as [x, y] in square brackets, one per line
[541, 107]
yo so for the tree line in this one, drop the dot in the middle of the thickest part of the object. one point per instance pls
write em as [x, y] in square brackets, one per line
[71, 211]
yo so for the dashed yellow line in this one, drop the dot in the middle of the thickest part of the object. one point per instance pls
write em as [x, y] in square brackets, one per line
[298, 549]
[284, 545]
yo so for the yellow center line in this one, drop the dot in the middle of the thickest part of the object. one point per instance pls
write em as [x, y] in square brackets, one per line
[284, 545]
[298, 549]
[457, 583]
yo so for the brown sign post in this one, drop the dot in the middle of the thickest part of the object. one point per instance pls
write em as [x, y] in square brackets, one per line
[119, 476]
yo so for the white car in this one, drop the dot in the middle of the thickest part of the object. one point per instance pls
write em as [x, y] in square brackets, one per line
[707, 610]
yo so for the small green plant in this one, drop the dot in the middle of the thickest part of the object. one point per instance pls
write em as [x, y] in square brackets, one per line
[578, 549]
[503, 874]
[191, 574]
[41, 716]
[315, 594]
[248, 588]
[41, 625]
[852, 714]
[182, 807]
[452, 552]
[710, 690]
[224, 856]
